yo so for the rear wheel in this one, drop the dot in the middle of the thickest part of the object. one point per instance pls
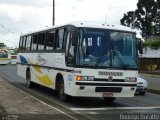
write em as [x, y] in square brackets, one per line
[109, 100]
[30, 84]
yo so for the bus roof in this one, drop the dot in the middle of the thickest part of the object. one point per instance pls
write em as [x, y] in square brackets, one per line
[89, 25]
[102, 25]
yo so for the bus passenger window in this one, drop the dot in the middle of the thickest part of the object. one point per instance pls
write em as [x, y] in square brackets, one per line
[34, 42]
[28, 43]
[50, 40]
[24, 44]
[60, 38]
[20, 44]
[41, 40]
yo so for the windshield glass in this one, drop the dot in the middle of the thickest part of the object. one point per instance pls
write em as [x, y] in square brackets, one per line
[12, 52]
[104, 48]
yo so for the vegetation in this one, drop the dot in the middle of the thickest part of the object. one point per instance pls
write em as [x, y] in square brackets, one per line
[146, 17]
[2, 45]
[16, 51]
[153, 43]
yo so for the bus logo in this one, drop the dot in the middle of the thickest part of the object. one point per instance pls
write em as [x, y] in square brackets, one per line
[110, 78]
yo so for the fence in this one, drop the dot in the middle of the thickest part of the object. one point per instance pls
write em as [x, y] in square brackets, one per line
[149, 65]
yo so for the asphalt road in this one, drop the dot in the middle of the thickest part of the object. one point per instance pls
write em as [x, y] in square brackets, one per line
[93, 108]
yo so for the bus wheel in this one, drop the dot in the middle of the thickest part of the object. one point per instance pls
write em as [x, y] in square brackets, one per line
[30, 84]
[109, 100]
[62, 95]
[142, 93]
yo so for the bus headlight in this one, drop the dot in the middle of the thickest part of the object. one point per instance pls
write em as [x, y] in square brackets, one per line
[84, 78]
[130, 79]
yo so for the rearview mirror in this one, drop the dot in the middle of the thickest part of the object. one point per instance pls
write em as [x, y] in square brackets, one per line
[140, 46]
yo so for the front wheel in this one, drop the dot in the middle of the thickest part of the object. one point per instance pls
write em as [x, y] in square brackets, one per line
[142, 93]
[62, 95]
[109, 100]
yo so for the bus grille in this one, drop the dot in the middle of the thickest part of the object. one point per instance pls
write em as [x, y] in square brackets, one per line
[102, 73]
[108, 89]
[114, 80]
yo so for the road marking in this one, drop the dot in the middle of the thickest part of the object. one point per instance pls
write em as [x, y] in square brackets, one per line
[39, 99]
[93, 113]
[117, 108]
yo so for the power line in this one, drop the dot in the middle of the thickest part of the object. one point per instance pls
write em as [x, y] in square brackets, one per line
[7, 29]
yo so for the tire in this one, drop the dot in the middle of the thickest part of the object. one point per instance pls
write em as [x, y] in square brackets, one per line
[30, 84]
[142, 93]
[61, 94]
[109, 100]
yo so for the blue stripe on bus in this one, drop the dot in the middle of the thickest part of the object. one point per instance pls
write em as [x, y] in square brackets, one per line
[23, 60]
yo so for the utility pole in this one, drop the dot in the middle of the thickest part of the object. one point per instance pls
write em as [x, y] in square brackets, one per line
[53, 14]
[105, 22]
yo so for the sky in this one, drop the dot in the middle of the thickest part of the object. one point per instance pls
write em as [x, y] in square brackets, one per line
[21, 16]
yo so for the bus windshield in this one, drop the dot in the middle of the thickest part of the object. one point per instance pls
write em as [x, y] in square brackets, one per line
[107, 48]
[3, 55]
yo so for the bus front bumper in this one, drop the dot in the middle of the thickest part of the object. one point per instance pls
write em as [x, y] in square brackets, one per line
[90, 89]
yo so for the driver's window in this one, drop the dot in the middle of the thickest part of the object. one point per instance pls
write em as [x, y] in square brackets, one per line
[71, 47]
[67, 43]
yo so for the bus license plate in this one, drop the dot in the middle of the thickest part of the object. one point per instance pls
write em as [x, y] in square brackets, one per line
[107, 94]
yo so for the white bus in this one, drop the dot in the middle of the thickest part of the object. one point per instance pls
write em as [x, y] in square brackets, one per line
[4, 57]
[81, 59]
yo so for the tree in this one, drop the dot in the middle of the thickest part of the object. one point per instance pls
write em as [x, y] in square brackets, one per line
[131, 19]
[128, 19]
[2, 45]
[157, 19]
[143, 17]
[147, 10]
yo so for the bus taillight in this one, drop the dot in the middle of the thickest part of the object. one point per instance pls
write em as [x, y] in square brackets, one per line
[13, 57]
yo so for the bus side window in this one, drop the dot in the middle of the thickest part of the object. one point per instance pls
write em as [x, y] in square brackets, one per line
[34, 42]
[24, 43]
[60, 39]
[67, 43]
[28, 43]
[72, 38]
[20, 43]
[41, 41]
[50, 40]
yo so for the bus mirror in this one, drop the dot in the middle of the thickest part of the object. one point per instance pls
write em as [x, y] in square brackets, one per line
[139, 46]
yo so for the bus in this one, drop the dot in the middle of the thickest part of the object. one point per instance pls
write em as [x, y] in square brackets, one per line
[81, 59]
[4, 57]
[13, 55]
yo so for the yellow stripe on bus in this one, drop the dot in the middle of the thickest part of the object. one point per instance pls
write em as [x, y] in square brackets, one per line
[37, 68]
[45, 80]
[5, 59]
